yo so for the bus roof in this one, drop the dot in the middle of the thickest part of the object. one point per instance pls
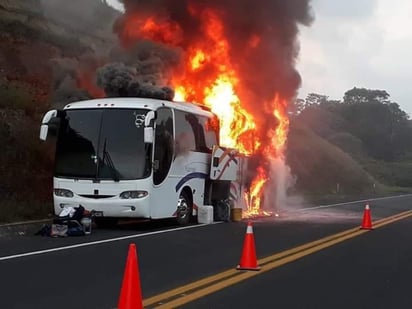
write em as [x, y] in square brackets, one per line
[146, 103]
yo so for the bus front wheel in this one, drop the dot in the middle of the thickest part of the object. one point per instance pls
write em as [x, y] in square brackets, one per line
[184, 209]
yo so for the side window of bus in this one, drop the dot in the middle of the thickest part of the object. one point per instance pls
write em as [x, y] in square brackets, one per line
[211, 131]
[163, 148]
[185, 136]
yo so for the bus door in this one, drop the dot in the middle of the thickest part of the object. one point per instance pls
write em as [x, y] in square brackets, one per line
[163, 199]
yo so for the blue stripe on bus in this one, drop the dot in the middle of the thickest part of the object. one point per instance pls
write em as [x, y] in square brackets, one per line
[188, 177]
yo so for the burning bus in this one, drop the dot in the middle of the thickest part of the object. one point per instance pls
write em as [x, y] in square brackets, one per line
[238, 58]
[140, 158]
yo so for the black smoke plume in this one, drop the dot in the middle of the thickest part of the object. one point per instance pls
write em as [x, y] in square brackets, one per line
[269, 68]
[119, 80]
[143, 70]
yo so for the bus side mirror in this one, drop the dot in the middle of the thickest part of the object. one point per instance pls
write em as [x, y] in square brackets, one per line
[148, 128]
[44, 129]
[148, 135]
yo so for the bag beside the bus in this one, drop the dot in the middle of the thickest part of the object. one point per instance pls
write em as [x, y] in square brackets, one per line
[59, 230]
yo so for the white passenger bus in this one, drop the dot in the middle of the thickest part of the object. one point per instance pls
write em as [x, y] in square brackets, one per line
[134, 158]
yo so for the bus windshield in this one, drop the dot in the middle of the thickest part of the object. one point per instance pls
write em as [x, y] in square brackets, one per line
[102, 144]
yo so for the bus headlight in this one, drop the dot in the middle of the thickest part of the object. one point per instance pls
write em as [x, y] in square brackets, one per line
[63, 192]
[133, 194]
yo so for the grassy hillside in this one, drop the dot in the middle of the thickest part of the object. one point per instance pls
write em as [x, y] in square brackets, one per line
[33, 34]
[359, 146]
[322, 169]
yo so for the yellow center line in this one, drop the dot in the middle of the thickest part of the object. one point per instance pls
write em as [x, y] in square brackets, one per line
[211, 284]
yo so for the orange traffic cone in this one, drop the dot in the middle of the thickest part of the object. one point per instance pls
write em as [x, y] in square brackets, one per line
[131, 292]
[367, 221]
[248, 259]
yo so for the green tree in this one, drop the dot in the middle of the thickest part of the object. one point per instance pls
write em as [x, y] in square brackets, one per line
[380, 124]
[296, 107]
[315, 99]
[321, 115]
[363, 95]
[366, 122]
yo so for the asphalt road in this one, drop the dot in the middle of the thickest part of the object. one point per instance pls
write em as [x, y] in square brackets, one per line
[366, 269]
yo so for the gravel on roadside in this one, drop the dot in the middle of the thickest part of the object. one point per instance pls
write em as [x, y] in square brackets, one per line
[22, 228]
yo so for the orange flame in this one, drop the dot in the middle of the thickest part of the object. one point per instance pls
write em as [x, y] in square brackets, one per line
[85, 80]
[278, 137]
[217, 90]
[137, 27]
[255, 195]
[238, 126]
[210, 78]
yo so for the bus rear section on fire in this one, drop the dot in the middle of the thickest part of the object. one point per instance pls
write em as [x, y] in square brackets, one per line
[141, 158]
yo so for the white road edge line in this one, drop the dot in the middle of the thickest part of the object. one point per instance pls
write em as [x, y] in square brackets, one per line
[9, 257]
[15, 256]
[354, 202]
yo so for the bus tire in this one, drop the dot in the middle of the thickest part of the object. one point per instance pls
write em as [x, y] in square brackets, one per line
[184, 209]
[222, 211]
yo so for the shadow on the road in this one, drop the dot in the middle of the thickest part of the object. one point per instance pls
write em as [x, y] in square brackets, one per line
[140, 225]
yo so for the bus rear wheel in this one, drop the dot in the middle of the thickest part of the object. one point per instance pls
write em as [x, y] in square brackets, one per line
[184, 209]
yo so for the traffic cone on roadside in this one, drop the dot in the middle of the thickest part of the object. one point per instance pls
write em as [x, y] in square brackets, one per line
[367, 220]
[131, 292]
[248, 259]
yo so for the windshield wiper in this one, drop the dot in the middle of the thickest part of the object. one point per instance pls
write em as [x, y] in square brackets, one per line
[107, 158]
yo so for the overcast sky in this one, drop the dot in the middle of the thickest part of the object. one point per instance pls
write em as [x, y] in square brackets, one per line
[362, 43]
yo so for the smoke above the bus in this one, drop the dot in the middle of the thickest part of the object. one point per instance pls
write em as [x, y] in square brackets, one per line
[261, 36]
[119, 80]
